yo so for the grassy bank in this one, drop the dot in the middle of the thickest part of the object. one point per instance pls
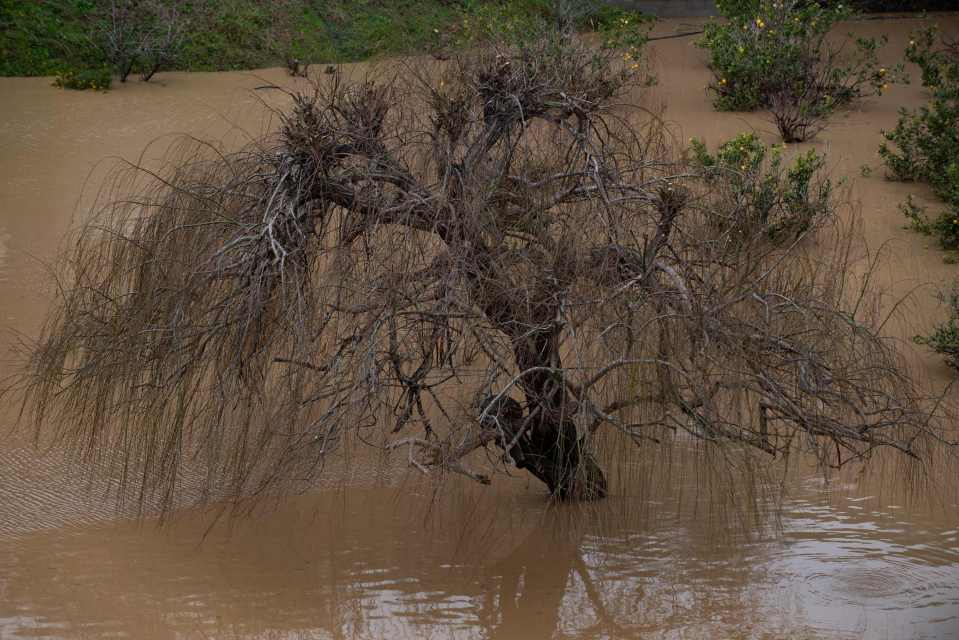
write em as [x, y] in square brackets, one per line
[44, 37]
[66, 37]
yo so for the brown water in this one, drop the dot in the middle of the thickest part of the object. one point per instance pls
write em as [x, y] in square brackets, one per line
[386, 556]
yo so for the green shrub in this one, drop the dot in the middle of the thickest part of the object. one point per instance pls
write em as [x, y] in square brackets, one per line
[945, 337]
[627, 31]
[232, 34]
[39, 38]
[514, 22]
[924, 146]
[608, 16]
[775, 54]
[946, 230]
[97, 78]
[916, 216]
[934, 55]
[784, 200]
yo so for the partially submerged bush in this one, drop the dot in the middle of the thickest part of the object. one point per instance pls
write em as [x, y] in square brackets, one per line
[504, 228]
[944, 339]
[96, 78]
[935, 55]
[915, 216]
[944, 228]
[924, 146]
[162, 39]
[628, 32]
[625, 32]
[784, 200]
[775, 54]
[527, 20]
[925, 142]
[144, 35]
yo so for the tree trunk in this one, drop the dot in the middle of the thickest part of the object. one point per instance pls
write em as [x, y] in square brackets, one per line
[558, 457]
[150, 72]
[550, 449]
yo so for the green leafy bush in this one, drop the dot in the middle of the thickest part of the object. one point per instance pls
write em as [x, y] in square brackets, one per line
[232, 34]
[946, 230]
[924, 146]
[39, 38]
[934, 55]
[507, 21]
[775, 54]
[627, 31]
[786, 200]
[945, 337]
[945, 227]
[916, 216]
[97, 78]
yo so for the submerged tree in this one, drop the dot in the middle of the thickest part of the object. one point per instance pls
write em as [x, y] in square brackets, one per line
[504, 259]
[144, 35]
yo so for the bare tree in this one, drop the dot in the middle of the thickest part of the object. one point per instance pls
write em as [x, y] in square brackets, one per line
[162, 38]
[568, 13]
[497, 228]
[139, 34]
[118, 34]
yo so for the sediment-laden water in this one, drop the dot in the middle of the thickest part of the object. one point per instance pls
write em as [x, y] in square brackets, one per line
[383, 555]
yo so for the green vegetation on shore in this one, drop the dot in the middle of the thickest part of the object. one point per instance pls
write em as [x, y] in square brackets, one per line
[53, 37]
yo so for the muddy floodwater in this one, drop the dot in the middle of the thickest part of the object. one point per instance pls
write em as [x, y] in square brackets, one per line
[381, 554]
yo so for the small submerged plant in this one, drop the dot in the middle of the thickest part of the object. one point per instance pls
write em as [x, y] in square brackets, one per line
[944, 338]
[916, 216]
[95, 78]
[786, 200]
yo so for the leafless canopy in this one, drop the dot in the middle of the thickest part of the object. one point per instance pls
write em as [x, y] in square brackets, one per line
[498, 257]
[144, 34]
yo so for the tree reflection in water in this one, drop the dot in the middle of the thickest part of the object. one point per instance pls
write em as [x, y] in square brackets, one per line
[371, 564]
